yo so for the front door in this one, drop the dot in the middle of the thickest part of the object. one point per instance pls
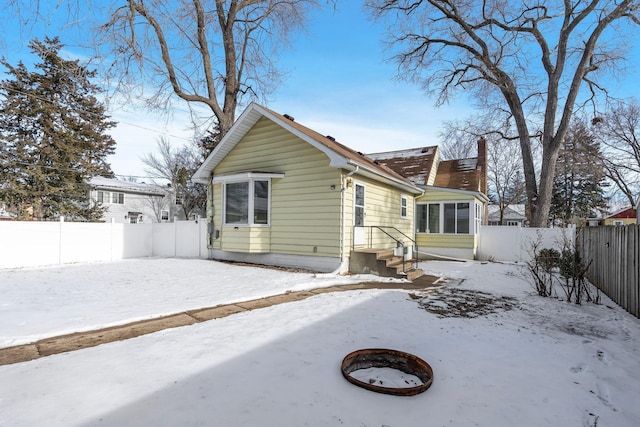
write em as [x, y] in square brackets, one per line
[359, 235]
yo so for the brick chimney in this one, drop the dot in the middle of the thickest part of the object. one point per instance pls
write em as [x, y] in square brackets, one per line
[482, 164]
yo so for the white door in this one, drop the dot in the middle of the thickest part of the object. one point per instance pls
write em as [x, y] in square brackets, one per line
[359, 235]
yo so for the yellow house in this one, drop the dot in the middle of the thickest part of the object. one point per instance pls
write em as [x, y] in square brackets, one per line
[624, 216]
[282, 194]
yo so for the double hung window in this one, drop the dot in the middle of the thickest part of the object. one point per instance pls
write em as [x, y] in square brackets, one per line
[247, 202]
[404, 202]
[105, 197]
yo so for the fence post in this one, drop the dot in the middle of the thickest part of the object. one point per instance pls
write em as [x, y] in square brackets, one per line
[60, 240]
[111, 227]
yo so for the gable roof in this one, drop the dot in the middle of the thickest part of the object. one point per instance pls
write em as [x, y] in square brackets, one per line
[628, 212]
[340, 156]
[103, 183]
[463, 174]
[416, 163]
[511, 212]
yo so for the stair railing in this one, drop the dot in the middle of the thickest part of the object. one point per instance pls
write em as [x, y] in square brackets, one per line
[399, 243]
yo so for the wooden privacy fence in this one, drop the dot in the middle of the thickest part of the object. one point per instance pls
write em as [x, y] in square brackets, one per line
[614, 252]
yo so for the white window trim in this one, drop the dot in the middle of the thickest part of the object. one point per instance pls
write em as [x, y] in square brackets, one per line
[364, 207]
[249, 177]
[472, 216]
[405, 198]
[251, 182]
[109, 197]
[245, 176]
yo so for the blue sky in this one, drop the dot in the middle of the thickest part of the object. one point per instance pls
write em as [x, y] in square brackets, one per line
[338, 83]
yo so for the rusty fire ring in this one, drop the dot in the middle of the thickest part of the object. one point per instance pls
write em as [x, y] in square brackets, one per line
[385, 358]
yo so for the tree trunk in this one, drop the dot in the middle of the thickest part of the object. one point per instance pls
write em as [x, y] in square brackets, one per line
[541, 213]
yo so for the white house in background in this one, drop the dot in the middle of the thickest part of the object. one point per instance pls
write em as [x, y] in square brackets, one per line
[132, 202]
[6, 215]
[514, 215]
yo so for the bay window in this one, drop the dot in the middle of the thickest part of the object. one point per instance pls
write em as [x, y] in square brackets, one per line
[247, 202]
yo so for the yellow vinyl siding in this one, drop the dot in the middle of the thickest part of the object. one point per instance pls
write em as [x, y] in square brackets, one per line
[625, 221]
[437, 195]
[434, 169]
[462, 241]
[449, 240]
[245, 239]
[382, 208]
[305, 211]
[214, 208]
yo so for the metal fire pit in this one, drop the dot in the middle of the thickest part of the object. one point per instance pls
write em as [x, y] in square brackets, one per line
[384, 358]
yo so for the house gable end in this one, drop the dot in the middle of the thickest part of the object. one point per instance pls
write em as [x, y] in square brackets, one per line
[340, 156]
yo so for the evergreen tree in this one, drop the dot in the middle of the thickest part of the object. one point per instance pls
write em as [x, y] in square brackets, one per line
[52, 130]
[579, 184]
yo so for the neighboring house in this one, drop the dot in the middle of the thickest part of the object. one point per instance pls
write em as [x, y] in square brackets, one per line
[514, 215]
[6, 215]
[132, 202]
[625, 216]
[280, 193]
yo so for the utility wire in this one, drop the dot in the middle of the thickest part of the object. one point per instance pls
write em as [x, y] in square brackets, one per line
[91, 113]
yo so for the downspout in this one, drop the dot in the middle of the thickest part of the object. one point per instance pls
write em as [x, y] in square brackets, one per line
[210, 207]
[343, 189]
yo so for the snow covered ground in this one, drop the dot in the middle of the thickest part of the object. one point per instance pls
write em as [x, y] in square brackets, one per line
[501, 356]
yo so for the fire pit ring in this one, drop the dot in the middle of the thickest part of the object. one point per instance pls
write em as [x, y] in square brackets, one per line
[385, 358]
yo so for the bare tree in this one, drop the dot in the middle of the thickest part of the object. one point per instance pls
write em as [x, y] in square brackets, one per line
[176, 166]
[504, 162]
[157, 204]
[216, 54]
[459, 138]
[528, 59]
[505, 174]
[619, 133]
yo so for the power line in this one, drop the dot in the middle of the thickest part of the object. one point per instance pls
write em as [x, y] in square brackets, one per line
[94, 114]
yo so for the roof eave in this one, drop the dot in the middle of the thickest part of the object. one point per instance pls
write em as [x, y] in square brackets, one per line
[370, 173]
[478, 194]
[250, 117]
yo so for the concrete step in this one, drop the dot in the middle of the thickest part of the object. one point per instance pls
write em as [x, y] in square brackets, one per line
[382, 262]
[384, 254]
[413, 274]
[402, 268]
[393, 261]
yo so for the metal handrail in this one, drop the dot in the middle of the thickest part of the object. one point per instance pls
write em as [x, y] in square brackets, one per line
[399, 243]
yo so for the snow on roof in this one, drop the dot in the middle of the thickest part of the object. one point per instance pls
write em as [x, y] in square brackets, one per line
[412, 152]
[467, 164]
[518, 209]
[136, 187]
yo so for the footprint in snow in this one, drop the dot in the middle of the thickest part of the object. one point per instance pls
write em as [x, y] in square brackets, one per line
[577, 369]
[602, 391]
[603, 357]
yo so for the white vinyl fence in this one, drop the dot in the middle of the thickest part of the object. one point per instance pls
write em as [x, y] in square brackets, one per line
[504, 243]
[29, 244]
